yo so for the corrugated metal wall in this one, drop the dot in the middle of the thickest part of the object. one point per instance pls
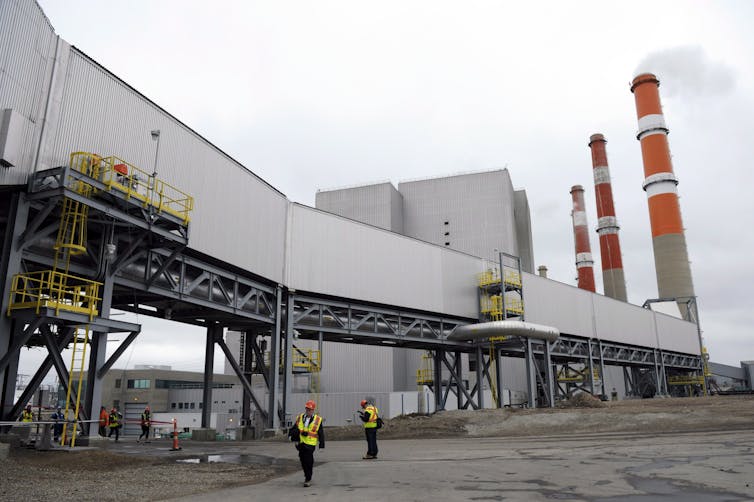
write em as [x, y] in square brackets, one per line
[379, 205]
[27, 50]
[523, 230]
[478, 209]
[237, 218]
[334, 255]
[677, 335]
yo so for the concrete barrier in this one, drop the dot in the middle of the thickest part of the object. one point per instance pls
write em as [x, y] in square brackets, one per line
[203, 435]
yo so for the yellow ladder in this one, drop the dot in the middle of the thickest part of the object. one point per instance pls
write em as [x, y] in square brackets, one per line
[75, 377]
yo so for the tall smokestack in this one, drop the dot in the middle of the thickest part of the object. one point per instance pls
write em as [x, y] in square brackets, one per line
[668, 239]
[607, 225]
[542, 271]
[584, 260]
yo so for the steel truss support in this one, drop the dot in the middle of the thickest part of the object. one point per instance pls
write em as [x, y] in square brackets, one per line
[455, 382]
[361, 323]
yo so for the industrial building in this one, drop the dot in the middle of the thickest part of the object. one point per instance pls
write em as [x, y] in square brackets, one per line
[109, 202]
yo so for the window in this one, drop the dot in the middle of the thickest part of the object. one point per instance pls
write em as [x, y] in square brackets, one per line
[138, 384]
[192, 405]
[116, 403]
[117, 383]
[180, 406]
[172, 405]
[447, 233]
[447, 243]
[185, 405]
[447, 222]
[200, 405]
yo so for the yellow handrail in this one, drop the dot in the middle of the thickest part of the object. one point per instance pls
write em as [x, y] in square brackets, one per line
[54, 289]
[117, 174]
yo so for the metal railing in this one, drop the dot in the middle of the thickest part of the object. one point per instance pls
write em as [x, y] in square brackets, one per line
[54, 289]
[134, 183]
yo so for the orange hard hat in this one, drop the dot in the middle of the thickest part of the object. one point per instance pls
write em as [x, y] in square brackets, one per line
[363, 402]
[310, 405]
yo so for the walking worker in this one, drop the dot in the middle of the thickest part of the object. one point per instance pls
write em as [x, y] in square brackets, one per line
[310, 431]
[57, 428]
[104, 418]
[27, 415]
[369, 416]
[146, 421]
[114, 423]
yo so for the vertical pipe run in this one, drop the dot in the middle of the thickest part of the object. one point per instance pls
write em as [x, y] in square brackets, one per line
[660, 184]
[607, 224]
[584, 259]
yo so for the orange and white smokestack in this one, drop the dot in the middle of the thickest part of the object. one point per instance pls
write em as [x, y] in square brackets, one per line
[584, 259]
[607, 224]
[668, 239]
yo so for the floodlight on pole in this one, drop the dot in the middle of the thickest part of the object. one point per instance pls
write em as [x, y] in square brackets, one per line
[156, 137]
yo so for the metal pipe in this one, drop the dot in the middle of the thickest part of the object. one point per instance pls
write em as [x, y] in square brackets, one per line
[504, 328]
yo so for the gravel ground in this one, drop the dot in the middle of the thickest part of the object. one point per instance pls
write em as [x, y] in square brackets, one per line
[120, 472]
[96, 475]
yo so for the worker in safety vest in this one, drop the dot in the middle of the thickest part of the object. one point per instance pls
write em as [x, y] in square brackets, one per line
[146, 422]
[114, 423]
[308, 427]
[27, 415]
[104, 418]
[369, 416]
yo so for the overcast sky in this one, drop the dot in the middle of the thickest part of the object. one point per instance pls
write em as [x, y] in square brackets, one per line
[323, 94]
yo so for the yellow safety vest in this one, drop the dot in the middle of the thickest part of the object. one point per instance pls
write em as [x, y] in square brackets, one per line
[311, 431]
[27, 416]
[113, 420]
[373, 413]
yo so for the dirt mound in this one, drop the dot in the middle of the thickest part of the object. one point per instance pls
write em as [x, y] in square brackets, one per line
[582, 414]
[582, 400]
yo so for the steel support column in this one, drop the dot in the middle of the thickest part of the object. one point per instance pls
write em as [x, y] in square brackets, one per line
[591, 367]
[10, 265]
[209, 366]
[288, 355]
[602, 368]
[549, 376]
[273, 418]
[531, 380]
[460, 386]
[480, 375]
[439, 355]
[498, 379]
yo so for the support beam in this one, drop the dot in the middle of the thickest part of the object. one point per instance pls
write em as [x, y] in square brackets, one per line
[480, 375]
[460, 386]
[273, 418]
[437, 377]
[18, 342]
[288, 359]
[591, 367]
[102, 371]
[531, 380]
[209, 365]
[499, 379]
[602, 369]
[237, 369]
[549, 376]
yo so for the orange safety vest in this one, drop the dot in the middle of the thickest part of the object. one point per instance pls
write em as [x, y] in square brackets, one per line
[372, 423]
[103, 417]
[311, 431]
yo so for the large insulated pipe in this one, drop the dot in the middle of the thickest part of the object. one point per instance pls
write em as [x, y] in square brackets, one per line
[504, 328]
[668, 239]
[584, 259]
[607, 224]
